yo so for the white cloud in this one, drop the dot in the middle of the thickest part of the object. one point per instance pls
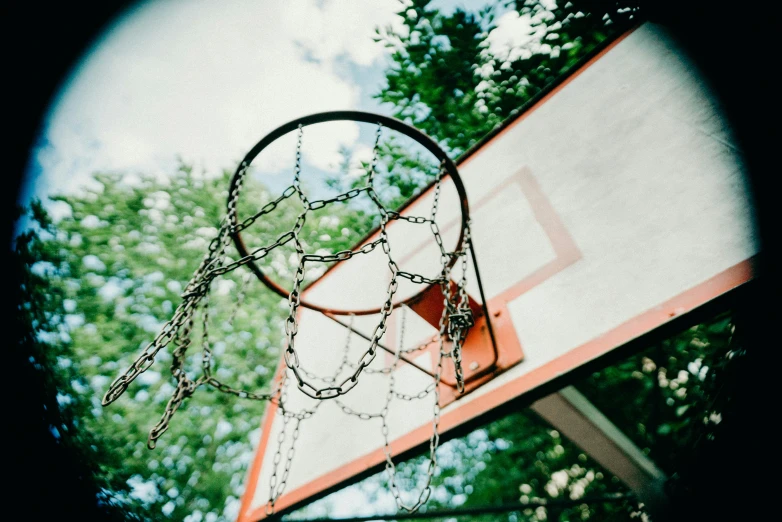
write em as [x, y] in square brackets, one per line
[362, 153]
[204, 81]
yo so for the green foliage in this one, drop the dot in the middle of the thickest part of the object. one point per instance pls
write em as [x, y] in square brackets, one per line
[664, 398]
[401, 172]
[446, 81]
[520, 458]
[44, 338]
[98, 286]
[100, 282]
[432, 81]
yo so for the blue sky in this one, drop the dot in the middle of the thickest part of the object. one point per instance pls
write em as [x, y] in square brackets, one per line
[203, 81]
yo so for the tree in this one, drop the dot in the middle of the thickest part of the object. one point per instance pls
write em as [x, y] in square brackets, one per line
[99, 284]
[42, 432]
[446, 80]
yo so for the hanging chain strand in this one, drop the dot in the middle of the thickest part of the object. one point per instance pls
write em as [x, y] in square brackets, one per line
[276, 489]
[454, 324]
[290, 356]
[434, 439]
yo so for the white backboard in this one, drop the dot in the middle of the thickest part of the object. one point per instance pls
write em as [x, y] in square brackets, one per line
[612, 205]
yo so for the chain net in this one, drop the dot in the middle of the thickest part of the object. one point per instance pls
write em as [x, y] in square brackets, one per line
[454, 323]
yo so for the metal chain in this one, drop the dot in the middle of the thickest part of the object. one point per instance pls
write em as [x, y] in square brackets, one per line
[184, 388]
[274, 493]
[290, 356]
[206, 361]
[459, 315]
[454, 323]
[276, 490]
[342, 364]
[434, 440]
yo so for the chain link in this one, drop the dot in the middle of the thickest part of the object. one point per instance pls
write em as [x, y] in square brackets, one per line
[454, 324]
[434, 439]
[275, 489]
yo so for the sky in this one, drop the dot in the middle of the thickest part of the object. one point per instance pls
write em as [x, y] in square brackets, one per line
[203, 82]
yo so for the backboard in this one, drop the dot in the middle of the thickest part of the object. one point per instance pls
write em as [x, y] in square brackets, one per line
[607, 208]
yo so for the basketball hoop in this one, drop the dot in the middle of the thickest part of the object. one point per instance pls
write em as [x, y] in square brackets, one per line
[446, 164]
[442, 301]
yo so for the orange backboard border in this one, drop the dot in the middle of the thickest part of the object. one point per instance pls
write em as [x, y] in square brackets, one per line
[666, 313]
[634, 328]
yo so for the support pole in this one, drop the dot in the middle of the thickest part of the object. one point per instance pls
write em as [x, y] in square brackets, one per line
[586, 426]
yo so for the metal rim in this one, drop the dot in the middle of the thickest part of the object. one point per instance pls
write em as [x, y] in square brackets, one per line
[363, 117]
